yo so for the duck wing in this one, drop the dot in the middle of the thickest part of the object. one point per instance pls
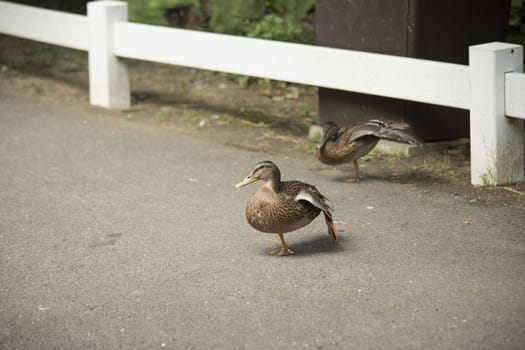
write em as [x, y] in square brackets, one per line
[315, 198]
[380, 130]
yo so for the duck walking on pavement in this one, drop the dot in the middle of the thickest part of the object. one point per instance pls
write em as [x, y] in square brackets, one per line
[348, 144]
[283, 206]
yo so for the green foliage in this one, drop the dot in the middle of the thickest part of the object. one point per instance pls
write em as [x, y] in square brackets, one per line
[233, 16]
[152, 11]
[276, 20]
[265, 86]
[243, 80]
[268, 19]
[517, 22]
[274, 27]
[517, 14]
[487, 179]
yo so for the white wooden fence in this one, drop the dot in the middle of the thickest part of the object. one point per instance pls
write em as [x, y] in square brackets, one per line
[492, 86]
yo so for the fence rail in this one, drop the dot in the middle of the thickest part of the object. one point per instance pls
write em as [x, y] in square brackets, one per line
[52, 27]
[392, 76]
[515, 95]
[492, 86]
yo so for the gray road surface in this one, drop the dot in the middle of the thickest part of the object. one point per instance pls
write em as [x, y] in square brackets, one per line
[120, 235]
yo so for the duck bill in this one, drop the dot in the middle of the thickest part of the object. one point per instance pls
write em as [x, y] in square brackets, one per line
[248, 180]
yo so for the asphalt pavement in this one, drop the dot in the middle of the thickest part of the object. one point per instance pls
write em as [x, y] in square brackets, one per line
[117, 234]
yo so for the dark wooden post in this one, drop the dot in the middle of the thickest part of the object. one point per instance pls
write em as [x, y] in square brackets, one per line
[428, 29]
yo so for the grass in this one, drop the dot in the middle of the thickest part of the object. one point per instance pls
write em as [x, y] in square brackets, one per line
[165, 114]
[7, 72]
[30, 56]
[371, 155]
[40, 88]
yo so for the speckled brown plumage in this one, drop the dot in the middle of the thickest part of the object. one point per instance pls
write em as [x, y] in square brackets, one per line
[278, 211]
[281, 207]
[347, 144]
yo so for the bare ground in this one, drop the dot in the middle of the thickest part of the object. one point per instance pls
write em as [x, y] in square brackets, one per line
[219, 107]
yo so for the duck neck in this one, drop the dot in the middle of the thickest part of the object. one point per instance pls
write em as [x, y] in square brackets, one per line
[274, 183]
[321, 144]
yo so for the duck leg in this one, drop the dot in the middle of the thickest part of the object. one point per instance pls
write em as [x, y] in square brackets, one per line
[284, 250]
[356, 178]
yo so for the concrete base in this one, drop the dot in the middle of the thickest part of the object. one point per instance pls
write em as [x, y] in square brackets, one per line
[314, 133]
[406, 150]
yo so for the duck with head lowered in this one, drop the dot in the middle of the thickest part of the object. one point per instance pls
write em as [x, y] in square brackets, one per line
[283, 206]
[339, 145]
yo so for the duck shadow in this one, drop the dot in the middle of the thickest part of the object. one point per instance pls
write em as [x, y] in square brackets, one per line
[403, 177]
[322, 244]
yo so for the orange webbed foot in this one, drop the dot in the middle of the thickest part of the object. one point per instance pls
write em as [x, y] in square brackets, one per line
[282, 251]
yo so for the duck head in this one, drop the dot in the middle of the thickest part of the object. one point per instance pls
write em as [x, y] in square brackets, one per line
[265, 171]
[330, 132]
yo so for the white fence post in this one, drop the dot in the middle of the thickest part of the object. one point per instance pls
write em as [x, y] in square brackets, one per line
[108, 76]
[496, 142]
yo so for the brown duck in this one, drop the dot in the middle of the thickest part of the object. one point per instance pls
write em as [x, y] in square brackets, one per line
[283, 206]
[348, 144]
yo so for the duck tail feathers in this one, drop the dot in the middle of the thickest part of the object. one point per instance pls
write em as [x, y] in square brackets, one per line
[330, 224]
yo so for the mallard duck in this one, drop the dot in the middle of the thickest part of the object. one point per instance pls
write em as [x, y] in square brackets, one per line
[348, 144]
[283, 206]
